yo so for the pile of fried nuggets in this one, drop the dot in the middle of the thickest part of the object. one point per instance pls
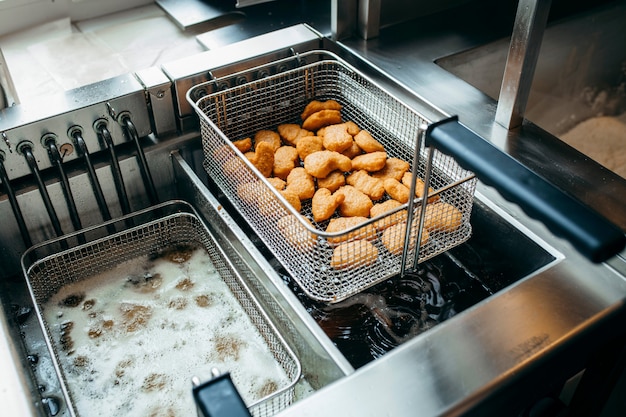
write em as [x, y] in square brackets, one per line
[341, 169]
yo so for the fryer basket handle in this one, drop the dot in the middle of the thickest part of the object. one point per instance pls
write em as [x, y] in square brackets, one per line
[591, 234]
[218, 397]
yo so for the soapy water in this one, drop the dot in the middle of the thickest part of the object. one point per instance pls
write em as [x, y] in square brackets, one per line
[129, 340]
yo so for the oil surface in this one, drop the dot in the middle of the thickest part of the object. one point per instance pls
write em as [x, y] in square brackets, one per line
[372, 323]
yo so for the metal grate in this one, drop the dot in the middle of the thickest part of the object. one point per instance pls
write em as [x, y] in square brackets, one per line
[47, 273]
[239, 112]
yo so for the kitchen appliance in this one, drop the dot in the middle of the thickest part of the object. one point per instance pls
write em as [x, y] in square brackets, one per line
[546, 315]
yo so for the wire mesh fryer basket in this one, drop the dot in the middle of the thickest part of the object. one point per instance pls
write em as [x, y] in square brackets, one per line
[303, 246]
[50, 266]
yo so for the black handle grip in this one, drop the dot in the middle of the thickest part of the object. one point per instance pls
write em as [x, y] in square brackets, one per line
[218, 397]
[590, 233]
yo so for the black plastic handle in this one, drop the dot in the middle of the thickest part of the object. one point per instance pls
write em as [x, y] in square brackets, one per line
[590, 233]
[218, 397]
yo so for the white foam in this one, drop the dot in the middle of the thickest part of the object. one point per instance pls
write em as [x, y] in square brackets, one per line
[144, 368]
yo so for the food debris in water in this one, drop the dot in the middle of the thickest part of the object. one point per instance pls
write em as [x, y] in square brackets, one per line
[73, 300]
[137, 339]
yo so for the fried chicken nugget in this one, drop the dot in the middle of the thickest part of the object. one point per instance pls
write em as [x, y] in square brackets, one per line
[442, 217]
[371, 162]
[333, 181]
[396, 190]
[292, 198]
[324, 204]
[340, 224]
[234, 166]
[352, 151]
[249, 191]
[268, 136]
[262, 158]
[355, 203]
[295, 233]
[366, 142]
[315, 106]
[394, 168]
[336, 138]
[301, 182]
[320, 164]
[277, 183]
[362, 181]
[290, 133]
[309, 144]
[391, 219]
[419, 187]
[285, 159]
[322, 118]
[244, 145]
[393, 238]
[351, 127]
[354, 254]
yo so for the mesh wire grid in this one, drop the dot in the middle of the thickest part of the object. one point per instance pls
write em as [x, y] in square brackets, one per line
[306, 250]
[48, 275]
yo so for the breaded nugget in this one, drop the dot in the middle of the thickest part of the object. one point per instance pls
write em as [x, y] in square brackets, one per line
[340, 224]
[324, 204]
[394, 168]
[354, 254]
[285, 159]
[442, 217]
[390, 219]
[290, 133]
[351, 128]
[234, 166]
[292, 198]
[315, 106]
[322, 118]
[267, 202]
[352, 151]
[336, 138]
[244, 145]
[371, 162]
[333, 181]
[362, 181]
[262, 158]
[393, 238]
[396, 190]
[419, 187]
[309, 144]
[268, 136]
[356, 203]
[320, 164]
[301, 182]
[296, 233]
[249, 191]
[366, 142]
[277, 183]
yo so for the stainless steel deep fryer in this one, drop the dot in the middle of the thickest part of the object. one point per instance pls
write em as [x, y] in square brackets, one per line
[238, 112]
[51, 265]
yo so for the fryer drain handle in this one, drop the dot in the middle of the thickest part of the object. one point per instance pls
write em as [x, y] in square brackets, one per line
[590, 233]
[218, 397]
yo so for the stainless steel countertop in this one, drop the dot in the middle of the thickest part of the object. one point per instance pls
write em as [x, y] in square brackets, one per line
[521, 339]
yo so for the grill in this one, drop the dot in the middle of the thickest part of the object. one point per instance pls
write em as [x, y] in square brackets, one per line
[52, 266]
[239, 112]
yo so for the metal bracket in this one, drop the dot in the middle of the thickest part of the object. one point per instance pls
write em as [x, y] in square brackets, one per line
[530, 23]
